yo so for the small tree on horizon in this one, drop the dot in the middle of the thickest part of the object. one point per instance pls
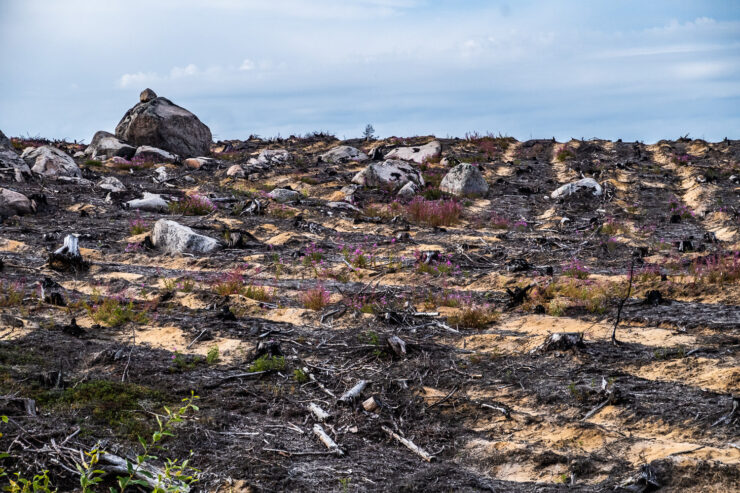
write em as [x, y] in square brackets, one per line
[369, 132]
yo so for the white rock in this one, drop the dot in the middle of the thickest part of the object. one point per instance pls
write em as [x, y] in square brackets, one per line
[112, 184]
[283, 195]
[78, 154]
[197, 162]
[390, 172]
[343, 206]
[161, 174]
[408, 191]
[12, 203]
[271, 156]
[151, 202]
[173, 237]
[149, 153]
[50, 161]
[343, 154]
[417, 154]
[464, 180]
[236, 170]
[573, 187]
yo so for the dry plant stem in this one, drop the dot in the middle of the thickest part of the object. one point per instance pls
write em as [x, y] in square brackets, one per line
[621, 304]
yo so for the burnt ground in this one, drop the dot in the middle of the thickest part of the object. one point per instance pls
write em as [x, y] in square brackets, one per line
[477, 387]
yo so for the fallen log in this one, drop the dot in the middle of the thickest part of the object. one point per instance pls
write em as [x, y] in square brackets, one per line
[352, 394]
[318, 413]
[326, 439]
[408, 444]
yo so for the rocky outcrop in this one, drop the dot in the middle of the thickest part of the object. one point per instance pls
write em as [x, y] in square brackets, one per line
[13, 203]
[464, 180]
[173, 237]
[571, 188]
[408, 191]
[391, 172]
[236, 171]
[343, 154]
[158, 122]
[147, 95]
[105, 145]
[417, 154]
[50, 162]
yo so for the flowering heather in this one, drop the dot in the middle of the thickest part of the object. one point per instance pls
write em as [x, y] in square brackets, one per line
[443, 266]
[681, 159]
[680, 209]
[520, 225]
[499, 222]
[193, 205]
[717, 269]
[315, 298]
[359, 256]
[229, 282]
[433, 212]
[138, 225]
[575, 269]
[133, 248]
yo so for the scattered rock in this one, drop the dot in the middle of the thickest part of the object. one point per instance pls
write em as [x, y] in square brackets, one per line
[158, 122]
[162, 175]
[154, 154]
[235, 171]
[150, 202]
[197, 162]
[111, 183]
[390, 172]
[283, 195]
[417, 154]
[343, 154]
[408, 191]
[173, 237]
[10, 159]
[464, 180]
[105, 145]
[13, 203]
[573, 187]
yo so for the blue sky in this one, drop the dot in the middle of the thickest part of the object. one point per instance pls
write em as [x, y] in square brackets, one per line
[613, 69]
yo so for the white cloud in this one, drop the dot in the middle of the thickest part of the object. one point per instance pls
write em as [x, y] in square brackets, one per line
[247, 64]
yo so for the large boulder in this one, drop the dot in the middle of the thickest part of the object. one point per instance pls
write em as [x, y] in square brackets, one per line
[50, 162]
[417, 154]
[13, 203]
[464, 180]
[105, 145]
[10, 159]
[112, 184]
[391, 172]
[343, 154]
[571, 188]
[158, 122]
[173, 237]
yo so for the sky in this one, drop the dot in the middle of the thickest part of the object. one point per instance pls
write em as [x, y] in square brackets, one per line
[636, 70]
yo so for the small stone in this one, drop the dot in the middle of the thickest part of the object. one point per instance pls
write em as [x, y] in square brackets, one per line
[236, 171]
[112, 184]
[147, 95]
[283, 195]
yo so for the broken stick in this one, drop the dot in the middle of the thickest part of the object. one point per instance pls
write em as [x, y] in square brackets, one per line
[326, 439]
[408, 444]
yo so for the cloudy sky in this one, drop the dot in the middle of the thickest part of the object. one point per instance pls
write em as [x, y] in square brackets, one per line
[646, 69]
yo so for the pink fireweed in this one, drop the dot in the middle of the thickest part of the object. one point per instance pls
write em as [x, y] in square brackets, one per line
[433, 212]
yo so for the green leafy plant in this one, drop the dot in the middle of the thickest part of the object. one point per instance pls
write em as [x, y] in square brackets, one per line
[300, 376]
[212, 356]
[267, 363]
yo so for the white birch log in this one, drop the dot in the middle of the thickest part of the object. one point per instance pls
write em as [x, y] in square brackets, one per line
[354, 392]
[318, 413]
[408, 444]
[326, 439]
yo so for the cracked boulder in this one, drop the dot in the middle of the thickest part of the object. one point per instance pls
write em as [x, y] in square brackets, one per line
[417, 154]
[155, 155]
[173, 237]
[464, 180]
[50, 162]
[390, 173]
[271, 156]
[158, 122]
